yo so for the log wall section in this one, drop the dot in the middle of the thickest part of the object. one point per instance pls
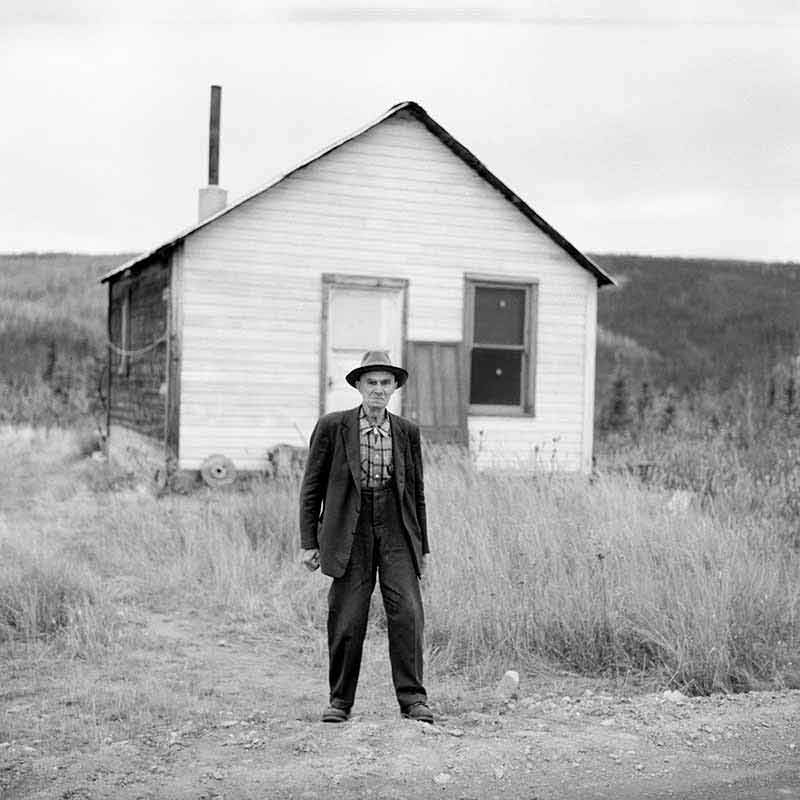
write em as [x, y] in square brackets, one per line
[137, 398]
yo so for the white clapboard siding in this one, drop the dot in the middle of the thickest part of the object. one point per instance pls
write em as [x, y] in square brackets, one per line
[394, 202]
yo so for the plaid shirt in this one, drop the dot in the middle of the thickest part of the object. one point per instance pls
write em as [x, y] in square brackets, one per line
[376, 451]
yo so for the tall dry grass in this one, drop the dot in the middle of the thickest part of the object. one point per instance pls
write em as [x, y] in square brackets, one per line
[597, 576]
[737, 454]
[605, 576]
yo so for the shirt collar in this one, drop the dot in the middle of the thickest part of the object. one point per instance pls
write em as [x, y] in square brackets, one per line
[364, 424]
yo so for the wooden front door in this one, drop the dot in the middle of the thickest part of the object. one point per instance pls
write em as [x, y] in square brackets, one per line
[359, 315]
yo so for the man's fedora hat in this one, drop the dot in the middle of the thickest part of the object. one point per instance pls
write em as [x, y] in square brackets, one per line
[373, 361]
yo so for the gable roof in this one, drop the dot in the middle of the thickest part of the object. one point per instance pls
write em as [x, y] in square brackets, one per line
[419, 113]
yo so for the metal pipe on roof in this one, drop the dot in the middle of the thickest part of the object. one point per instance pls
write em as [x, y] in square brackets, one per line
[213, 135]
[213, 198]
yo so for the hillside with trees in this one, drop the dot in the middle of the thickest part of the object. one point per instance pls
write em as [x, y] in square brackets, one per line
[696, 323]
[52, 335]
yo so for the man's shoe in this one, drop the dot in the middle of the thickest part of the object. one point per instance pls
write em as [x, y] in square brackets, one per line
[418, 712]
[334, 714]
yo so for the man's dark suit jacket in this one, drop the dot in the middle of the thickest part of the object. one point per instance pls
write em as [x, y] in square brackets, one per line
[332, 482]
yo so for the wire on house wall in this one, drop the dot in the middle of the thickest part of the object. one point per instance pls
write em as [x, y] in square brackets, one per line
[125, 353]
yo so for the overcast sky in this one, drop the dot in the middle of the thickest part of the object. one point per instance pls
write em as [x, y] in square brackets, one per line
[673, 132]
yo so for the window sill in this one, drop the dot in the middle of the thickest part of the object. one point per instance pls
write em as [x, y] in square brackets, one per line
[498, 411]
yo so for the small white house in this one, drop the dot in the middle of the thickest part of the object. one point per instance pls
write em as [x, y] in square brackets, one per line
[234, 336]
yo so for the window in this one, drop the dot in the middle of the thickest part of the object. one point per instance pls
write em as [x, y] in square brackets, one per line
[500, 346]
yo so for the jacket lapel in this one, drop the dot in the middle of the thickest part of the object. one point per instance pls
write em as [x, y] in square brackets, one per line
[352, 444]
[399, 446]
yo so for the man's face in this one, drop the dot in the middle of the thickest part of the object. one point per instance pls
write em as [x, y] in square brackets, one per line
[376, 388]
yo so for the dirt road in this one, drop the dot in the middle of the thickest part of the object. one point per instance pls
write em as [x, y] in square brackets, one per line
[250, 730]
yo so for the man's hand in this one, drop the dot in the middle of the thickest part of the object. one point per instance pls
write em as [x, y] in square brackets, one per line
[310, 559]
[423, 566]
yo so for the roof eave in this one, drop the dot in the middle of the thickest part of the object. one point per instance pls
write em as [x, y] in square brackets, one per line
[602, 277]
[274, 182]
[466, 155]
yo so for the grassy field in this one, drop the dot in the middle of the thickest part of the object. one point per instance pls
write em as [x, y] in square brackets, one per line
[175, 641]
[602, 577]
[52, 335]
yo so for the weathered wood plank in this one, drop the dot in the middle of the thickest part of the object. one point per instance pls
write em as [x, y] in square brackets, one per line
[434, 394]
[174, 340]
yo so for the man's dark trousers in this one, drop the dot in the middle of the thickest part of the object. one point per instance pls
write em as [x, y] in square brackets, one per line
[379, 545]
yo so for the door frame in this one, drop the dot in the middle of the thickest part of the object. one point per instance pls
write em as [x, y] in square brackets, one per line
[335, 280]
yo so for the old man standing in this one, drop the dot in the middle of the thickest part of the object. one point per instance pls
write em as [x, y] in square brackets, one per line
[364, 472]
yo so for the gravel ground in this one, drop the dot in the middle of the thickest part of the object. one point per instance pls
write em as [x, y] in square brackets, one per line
[559, 738]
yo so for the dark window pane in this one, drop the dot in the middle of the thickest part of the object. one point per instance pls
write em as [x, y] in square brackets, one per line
[499, 316]
[495, 378]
